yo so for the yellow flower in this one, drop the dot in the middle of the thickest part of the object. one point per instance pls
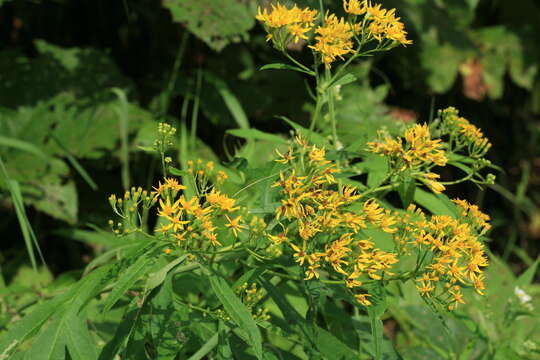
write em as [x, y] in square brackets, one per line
[355, 7]
[189, 206]
[312, 272]
[235, 224]
[318, 156]
[166, 208]
[285, 158]
[300, 254]
[297, 21]
[223, 202]
[363, 299]
[334, 39]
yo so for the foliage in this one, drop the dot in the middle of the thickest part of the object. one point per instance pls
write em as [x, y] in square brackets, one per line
[340, 229]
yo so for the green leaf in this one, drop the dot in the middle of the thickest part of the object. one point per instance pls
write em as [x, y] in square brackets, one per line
[442, 63]
[80, 344]
[29, 236]
[377, 168]
[156, 278]
[216, 22]
[23, 146]
[254, 134]
[280, 66]
[237, 311]
[437, 204]
[327, 344]
[406, 190]
[206, 348]
[231, 101]
[344, 80]
[30, 324]
[127, 278]
[50, 344]
[312, 136]
[123, 331]
[527, 277]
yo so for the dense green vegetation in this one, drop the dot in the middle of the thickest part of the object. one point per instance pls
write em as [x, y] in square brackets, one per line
[104, 97]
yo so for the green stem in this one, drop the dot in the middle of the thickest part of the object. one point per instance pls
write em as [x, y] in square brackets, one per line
[317, 112]
[304, 68]
[195, 110]
[174, 72]
[331, 108]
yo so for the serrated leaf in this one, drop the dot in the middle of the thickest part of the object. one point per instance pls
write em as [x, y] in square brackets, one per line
[238, 312]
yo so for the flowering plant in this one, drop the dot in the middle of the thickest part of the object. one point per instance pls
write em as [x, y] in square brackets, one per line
[303, 256]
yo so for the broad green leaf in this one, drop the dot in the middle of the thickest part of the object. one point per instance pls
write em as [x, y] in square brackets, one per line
[50, 344]
[437, 204]
[216, 22]
[237, 311]
[30, 323]
[377, 168]
[79, 342]
[442, 63]
[76, 165]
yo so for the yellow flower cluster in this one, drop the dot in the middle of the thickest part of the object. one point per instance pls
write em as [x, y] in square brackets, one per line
[127, 208]
[296, 22]
[464, 133]
[251, 297]
[416, 150]
[335, 36]
[188, 223]
[334, 39]
[383, 24]
[451, 254]
[191, 223]
[419, 148]
[319, 226]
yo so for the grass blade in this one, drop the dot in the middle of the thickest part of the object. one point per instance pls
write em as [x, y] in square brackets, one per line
[76, 165]
[206, 348]
[29, 236]
[122, 110]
